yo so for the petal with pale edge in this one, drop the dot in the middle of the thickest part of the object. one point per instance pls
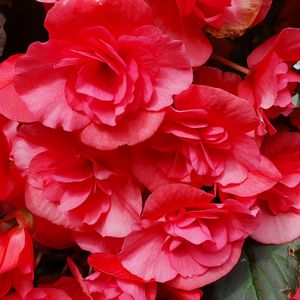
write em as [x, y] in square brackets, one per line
[277, 229]
[258, 181]
[36, 78]
[143, 255]
[212, 274]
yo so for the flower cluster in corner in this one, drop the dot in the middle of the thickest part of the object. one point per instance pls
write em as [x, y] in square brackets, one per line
[122, 140]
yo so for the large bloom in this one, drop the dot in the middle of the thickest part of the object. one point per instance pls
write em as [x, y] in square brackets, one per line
[203, 139]
[185, 239]
[75, 186]
[109, 72]
[271, 81]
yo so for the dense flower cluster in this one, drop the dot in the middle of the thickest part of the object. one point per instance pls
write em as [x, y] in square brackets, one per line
[118, 142]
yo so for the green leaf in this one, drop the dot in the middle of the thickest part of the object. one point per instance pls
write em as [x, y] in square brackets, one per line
[264, 272]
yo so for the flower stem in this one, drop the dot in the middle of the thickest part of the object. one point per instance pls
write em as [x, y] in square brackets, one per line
[230, 64]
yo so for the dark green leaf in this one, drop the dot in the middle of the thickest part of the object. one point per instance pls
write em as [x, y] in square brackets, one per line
[264, 272]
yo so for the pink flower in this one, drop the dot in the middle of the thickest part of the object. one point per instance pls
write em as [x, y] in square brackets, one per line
[203, 140]
[232, 20]
[109, 73]
[271, 81]
[185, 239]
[187, 19]
[75, 186]
[169, 16]
[280, 205]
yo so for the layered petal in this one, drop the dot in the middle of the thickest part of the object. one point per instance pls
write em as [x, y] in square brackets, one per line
[104, 78]
[203, 139]
[74, 186]
[187, 244]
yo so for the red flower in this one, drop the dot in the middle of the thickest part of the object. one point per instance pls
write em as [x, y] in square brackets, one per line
[109, 72]
[214, 77]
[42, 293]
[271, 81]
[75, 186]
[295, 296]
[114, 281]
[203, 139]
[11, 181]
[110, 269]
[186, 240]
[110, 281]
[7, 180]
[232, 20]
[16, 258]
